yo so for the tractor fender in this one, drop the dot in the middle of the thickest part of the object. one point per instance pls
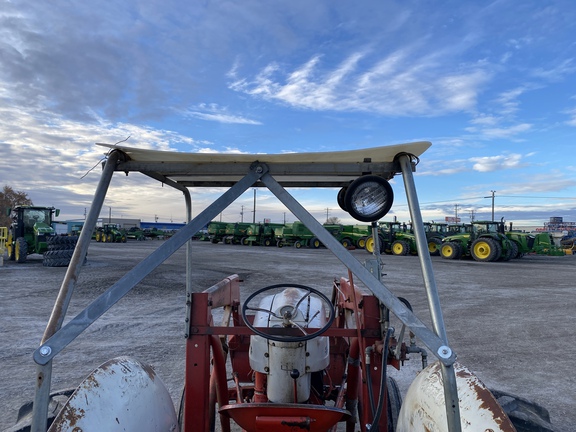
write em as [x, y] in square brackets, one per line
[121, 394]
[424, 408]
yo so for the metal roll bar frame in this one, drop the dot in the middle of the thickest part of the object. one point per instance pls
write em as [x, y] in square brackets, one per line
[56, 337]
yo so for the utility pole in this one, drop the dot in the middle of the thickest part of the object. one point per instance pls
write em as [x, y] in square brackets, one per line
[284, 218]
[242, 214]
[493, 192]
[254, 212]
[327, 213]
[456, 211]
[472, 213]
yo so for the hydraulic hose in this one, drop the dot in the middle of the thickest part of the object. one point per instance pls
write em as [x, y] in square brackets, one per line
[383, 375]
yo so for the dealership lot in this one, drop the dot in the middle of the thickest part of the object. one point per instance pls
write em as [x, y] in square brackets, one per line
[512, 323]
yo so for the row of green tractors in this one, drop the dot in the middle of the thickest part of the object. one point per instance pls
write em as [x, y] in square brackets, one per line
[480, 240]
[484, 241]
[490, 241]
[291, 234]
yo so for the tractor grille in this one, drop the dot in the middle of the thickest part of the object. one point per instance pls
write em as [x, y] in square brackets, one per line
[42, 238]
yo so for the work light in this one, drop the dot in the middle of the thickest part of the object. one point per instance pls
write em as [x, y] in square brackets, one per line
[368, 198]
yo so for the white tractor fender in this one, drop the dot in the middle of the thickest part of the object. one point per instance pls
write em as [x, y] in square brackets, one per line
[120, 395]
[423, 408]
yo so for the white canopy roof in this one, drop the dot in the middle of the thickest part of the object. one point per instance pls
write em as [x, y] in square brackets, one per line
[320, 169]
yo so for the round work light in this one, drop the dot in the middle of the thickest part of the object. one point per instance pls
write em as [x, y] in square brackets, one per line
[368, 198]
[340, 198]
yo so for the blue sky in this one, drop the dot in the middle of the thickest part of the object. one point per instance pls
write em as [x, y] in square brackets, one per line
[490, 83]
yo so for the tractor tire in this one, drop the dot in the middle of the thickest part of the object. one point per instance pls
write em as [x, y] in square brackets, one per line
[516, 248]
[279, 244]
[21, 250]
[123, 239]
[362, 242]
[400, 247]
[451, 250]
[297, 244]
[59, 258]
[244, 241]
[485, 249]
[315, 243]
[394, 403]
[110, 238]
[61, 242]
[97, 237]
[526, 416]
[369, 246]
[434, 245]
[347, 243]
[510, 252]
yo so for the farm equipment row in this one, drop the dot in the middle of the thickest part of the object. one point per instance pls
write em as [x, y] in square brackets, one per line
[291, 234]
[480, 240]
[489, 241]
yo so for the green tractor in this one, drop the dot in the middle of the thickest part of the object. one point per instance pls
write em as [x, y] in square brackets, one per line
[395, 238]
[435, 232]
[31, 233]
[484, 241]
[111, 233]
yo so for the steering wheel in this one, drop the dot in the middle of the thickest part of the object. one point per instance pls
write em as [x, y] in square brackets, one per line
[288, 313]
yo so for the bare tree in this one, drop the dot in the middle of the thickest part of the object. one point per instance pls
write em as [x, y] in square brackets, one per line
[9, 198]
[333, 220]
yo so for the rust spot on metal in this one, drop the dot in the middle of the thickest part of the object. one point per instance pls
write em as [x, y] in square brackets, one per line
[487, 401]
[72, 416]
[149, 371]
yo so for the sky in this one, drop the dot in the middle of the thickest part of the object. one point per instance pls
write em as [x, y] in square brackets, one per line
[492, 84]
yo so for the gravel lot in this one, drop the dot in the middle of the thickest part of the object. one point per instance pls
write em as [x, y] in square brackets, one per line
[512, 323]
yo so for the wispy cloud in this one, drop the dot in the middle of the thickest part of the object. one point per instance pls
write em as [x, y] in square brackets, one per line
[401, 83]
[213, 112]
[557, 72]
[572, 117]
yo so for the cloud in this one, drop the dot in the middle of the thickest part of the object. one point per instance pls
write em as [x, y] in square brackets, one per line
[399, 84]
[496, 163]
[541, 183]
[556, 73]
[506, 132]
[212, 112]
[572, 114]
[48, 156]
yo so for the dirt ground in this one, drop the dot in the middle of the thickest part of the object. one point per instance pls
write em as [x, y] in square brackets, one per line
[512, 323]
